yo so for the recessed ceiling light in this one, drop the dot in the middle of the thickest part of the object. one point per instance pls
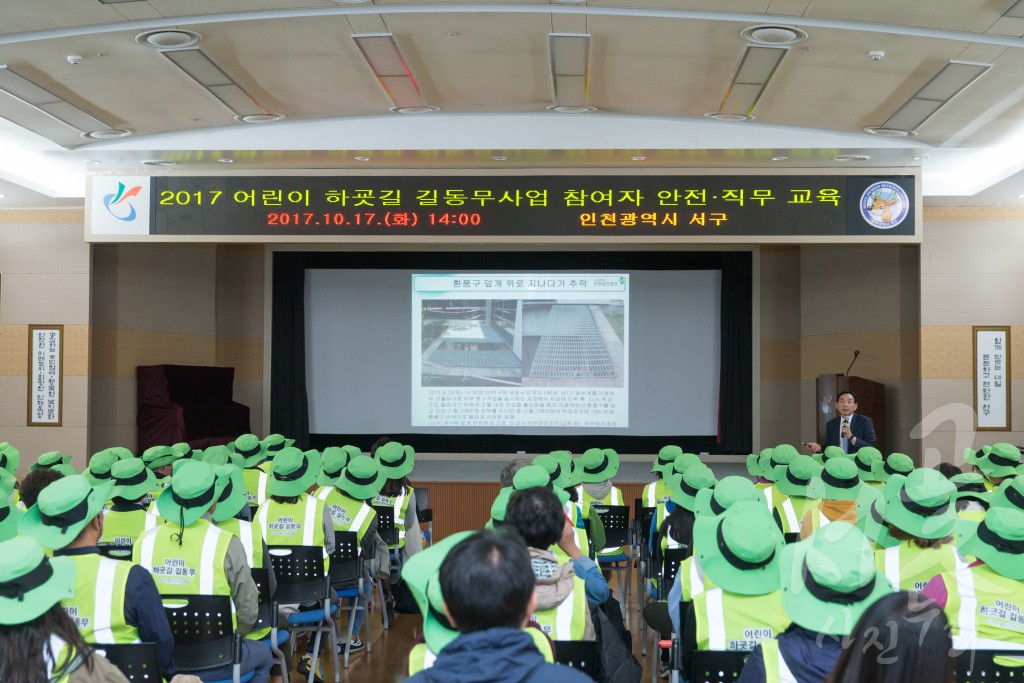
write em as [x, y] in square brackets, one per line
[499, 158]
[108, 134]
[425, 109]
[638, 158]
[728, 117]
[923, 157]
[159, 162]
[851, 157]
[91, 161]
[350, 2]
[2, 196]
[361, 158]
[770, 34]
[1020, 196]
[259, 118]
[888, 132]
[780, 158]
[561, 109]
[225, 160]
[168, 39]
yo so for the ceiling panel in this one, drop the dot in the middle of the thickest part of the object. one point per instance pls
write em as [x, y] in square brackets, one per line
[954, 15]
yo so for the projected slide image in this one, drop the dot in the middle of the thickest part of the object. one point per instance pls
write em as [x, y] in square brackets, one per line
[469, 343]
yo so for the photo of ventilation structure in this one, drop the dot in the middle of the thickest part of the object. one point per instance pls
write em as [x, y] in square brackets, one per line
[574, 343]
[471, 343]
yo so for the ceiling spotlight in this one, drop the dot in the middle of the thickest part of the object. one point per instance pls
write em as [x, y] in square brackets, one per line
[108, 134]
[361, 158]
[2, 196]
[889, 132]
[770, 34]
[638, 158]
[159, 162]
[728, 117]
[168, 39]
[1020, 196]
[259, 118]
[499, 158]
[780, 158]
[923, 157]
[225, 160]
[570, 110]
[851, 157]
[425, 109]
[91, 161]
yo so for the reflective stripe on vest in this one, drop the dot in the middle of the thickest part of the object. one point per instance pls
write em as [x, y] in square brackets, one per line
[696, 578]
[97, 607]
[311, 523]
[650, 499]
[716, 619]
[59, 650]
[336, 500]
[968, 637]
[790, 516]
[250, 536]
[567, 621]
[892, 566]
[245, 536]
[775, 668]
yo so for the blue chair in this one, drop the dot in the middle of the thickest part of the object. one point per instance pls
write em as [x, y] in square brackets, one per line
[204, 635]
[347, 576]
[302, 578]
[615, 519]
[266, 617]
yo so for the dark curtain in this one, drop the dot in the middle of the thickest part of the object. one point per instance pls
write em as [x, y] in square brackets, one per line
[289, 411]
[735, 402]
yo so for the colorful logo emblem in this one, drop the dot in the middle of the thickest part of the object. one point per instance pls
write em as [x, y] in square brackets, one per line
[826, 405]
[884, 205]
[116, 203]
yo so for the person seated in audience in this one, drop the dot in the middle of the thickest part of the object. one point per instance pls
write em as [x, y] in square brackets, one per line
[799, 482]
[839, 486]
[948, 470]
[871, 518]
[10, 515]
[658, 490]
[34, 482]
[559, 476]
[98, 470]
[272, 445]
[920, 513]
[894, 463]
[984, 600]
[739, 550]
[487, 588]
[783, 454]
[672, 523]
[128, 517]
[599, 467]
[113, 601]
[996, 463]
[187, 539]
[509, 471]
[254, 454]
[865, 460]
[901, 637]
[420, 574]
[828, 580]
[160, 460]
[38, 640]
[532, 513]
[347, 497]
[973, 498]
[54, 460]
[829, 452]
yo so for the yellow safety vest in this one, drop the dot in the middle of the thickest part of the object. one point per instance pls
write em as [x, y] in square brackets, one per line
[792, 511]
[910, 568]
[737, 623]
[692, 580]
[125, 527]
[614, 497]
[399, 506]
[97, 607]
[656, 492]
[985, 610]
[575, 514]
[568, 620]
[347, 513]
[775, 668]
[255, 485]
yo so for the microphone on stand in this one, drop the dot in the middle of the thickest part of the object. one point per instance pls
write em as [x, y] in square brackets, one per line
[855, 354]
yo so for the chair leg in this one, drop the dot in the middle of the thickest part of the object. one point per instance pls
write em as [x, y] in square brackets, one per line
[364, 605]
[333, 642]
[315, 658]
[351, 621]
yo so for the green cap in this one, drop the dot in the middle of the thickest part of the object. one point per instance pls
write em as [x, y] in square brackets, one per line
[333, 461]
[1010, 493]
[599, 464]
[10, 515]
[63, 509]
[896, 463]
[194, 489]
[273, 444]
[159, 456]
[829, 579]
[754, 465]
[362, 478]
[185, 452]
[799, 478]
[865, 460]
[726, 493]
[839, 479]
[764, 463]
[395, 459]
[293, 471]
[560, 475]
[998, 460]
[921, 504]
[215, 456]
[421, 575]
[998, 541]
[666, 457]
[739, 549]
[121, 452]
[30, 582]
[871, 517]
[501, 503]
[98, 471]
[575, 472]
[50, 460]
[536, 476]
[685, 485]
[233, 498]
[10, 458]
[821, 457]
[251, 449]
[132, 479]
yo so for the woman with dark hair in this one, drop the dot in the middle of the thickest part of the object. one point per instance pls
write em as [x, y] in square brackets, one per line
[901, 637]
[38, 641]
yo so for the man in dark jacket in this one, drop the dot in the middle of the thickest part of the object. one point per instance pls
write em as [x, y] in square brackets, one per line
[487, 585]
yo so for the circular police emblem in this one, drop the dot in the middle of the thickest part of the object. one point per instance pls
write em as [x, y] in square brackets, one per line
[884, 205]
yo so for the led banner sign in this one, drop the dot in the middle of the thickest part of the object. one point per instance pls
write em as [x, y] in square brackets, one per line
[277, 208]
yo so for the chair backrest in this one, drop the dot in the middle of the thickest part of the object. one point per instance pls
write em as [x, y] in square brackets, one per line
[264, 614]
[386, 524]
[671, 559]
[345, 562]
[578, 654]
[988, 665]
[645, 515]
[615, 519]
[203, 630]
[710, 666]
[115, 552]
[137, 661]
[300, 573]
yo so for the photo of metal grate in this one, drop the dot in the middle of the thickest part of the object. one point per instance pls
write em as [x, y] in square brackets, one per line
[474, 359]
[571, 346]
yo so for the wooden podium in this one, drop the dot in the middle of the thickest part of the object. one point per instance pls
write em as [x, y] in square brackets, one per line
[870, 402]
